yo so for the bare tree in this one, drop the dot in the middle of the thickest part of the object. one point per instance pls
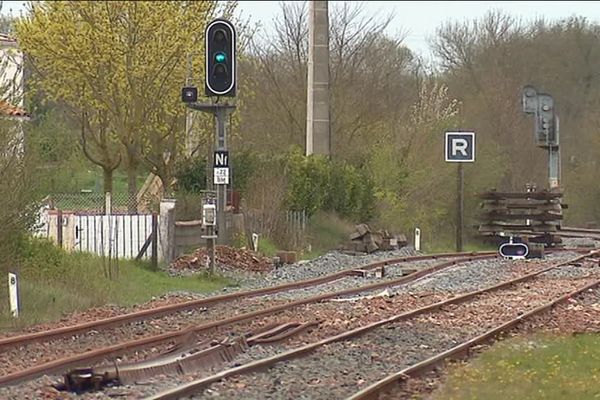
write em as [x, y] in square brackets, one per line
[370, 75]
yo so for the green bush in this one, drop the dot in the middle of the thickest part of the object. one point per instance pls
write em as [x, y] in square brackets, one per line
[308, 182]
[350, 193]
[243, 165]
[327, 231]
[191, 175]
[317, 183]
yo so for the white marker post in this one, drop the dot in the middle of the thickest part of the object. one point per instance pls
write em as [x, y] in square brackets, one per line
[417, 239]
[13, 294]
[255, 241]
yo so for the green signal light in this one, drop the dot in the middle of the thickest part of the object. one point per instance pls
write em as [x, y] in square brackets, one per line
[220, 57]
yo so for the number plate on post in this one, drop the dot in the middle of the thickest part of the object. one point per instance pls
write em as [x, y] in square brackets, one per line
[221, 176]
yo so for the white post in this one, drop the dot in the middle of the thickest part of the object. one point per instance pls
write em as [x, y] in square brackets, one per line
[13, 294]
[417, 239]
[166, 229]
[255, 241]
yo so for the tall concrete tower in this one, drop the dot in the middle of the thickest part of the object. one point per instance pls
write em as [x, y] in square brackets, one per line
[318, 137]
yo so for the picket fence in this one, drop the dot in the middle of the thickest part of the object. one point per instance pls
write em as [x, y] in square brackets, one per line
[115, 236]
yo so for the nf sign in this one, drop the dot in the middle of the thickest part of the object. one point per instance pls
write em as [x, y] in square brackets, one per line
[460, 146]
[221, 159]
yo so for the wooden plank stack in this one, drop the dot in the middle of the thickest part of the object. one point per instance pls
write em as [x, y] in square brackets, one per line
[533, 215]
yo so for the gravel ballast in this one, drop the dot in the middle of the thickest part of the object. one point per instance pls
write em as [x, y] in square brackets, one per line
[472, 276]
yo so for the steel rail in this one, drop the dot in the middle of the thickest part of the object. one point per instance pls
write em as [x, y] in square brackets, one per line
[179, 361]
[460, 351]
[105, 323]
[117, 349]
[193, 387]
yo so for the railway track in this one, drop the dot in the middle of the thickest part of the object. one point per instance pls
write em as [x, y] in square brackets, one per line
[390, 387]
[105, 349]
[344, 358]
[105, 323]
[571, 232]
[259, 320]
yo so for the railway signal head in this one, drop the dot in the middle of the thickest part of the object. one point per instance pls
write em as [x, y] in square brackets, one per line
[545, 129]
[546, 122]
[189, 94]
[514, 251]
[529, 99]
[220, 63]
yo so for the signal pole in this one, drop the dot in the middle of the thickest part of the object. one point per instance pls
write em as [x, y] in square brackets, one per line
[460, 207]
[220, 81]
[318, 134]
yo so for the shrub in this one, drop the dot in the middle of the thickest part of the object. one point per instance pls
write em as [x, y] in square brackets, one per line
[191, 175]
[317, 183]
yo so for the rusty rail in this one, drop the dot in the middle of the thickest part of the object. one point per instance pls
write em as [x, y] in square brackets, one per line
[117, 349]
[201, 357]
[461, 350]
[169, 309]
[570, 232]
[193, 387]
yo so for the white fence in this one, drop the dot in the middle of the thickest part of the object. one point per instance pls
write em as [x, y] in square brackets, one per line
[116, 236]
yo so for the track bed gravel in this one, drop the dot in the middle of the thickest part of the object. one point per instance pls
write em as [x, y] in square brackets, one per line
[338, 370]
[348, 314]
[35, 353]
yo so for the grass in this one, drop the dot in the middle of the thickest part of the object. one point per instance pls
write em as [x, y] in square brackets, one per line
[53, 283]
[267, 247]
[327, 232]
[535, 367]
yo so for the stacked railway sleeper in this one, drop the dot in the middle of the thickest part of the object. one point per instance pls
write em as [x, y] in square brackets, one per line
[534, 215]
[203, 337]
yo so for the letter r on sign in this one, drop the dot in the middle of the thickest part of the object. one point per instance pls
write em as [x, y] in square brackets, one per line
[459, 145]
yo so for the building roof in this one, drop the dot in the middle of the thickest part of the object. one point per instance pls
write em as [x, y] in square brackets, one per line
[8, 110]
[7, 40]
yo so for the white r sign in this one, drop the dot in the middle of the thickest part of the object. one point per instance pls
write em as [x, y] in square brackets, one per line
[460, 146]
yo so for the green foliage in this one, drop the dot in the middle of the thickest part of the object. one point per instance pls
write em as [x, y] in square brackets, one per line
[542, 367]
[41, 258]
[413, 185]
[19, 189]
[350, 193]
[239, 240]
[119, 67]
[191, 175]
[317, 183]
[243, 165]
[267, 247]
[327, 231]
[308, 182]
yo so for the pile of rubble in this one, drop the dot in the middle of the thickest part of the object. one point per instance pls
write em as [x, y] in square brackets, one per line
[225, 257]
[363, 240]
